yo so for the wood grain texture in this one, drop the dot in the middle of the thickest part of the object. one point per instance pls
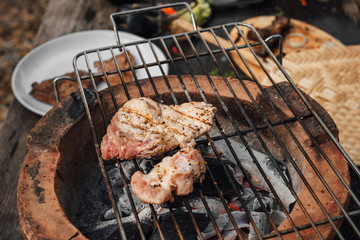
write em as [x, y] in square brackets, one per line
[65, 16]
[61, 17]
[13, 134]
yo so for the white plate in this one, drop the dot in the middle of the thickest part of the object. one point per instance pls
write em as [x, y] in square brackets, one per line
[55, 58]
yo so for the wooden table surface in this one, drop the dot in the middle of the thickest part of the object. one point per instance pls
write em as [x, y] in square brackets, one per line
[61, 17]
[65, 16]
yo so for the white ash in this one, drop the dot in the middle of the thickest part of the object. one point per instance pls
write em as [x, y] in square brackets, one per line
[124, 206]
[242, 221]
[259, 216]
[261, 223]
[98, 220]
[225, 226]
[109, 229]
[271, 171]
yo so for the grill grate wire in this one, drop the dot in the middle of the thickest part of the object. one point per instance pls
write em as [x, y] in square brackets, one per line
[278, 139]
[190, 58]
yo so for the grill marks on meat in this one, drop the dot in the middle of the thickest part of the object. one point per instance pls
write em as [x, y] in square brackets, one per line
[173, 174]
[188, 121]
[143, 128]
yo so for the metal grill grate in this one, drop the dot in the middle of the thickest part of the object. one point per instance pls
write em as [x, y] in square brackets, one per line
[194, 56]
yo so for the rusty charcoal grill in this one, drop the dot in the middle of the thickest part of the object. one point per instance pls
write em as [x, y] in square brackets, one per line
[194, 56]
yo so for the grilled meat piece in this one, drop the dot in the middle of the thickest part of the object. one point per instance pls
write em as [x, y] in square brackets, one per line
[143, 128]
[173, 174]
[110, 65]
[44, 91]
[280, 25]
